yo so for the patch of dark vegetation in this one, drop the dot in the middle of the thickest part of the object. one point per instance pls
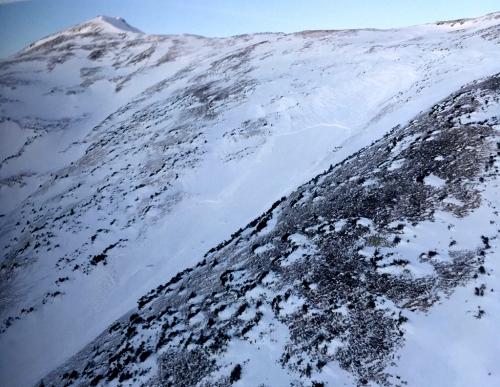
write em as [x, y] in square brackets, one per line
[98, 258]
[235, 374]
[97, 54]
[184, 368]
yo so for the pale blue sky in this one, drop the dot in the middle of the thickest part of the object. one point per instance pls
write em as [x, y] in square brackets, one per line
[22, 22]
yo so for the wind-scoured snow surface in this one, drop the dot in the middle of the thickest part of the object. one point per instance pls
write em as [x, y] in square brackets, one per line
[125, 157]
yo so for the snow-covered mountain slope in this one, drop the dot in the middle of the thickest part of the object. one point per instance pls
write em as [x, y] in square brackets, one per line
[126, 156]
[331, 282]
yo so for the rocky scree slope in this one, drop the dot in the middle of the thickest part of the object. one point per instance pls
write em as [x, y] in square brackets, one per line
[331, 267]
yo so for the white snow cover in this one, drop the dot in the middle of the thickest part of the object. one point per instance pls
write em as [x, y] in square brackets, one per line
[307, 100]
[454, 343]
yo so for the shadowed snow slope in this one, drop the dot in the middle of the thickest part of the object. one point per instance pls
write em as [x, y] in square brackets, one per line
[125, 157]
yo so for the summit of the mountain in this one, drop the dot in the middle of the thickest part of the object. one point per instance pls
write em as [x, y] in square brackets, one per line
[102, 24]
[126, 158]
[112, 24]
[98, 26]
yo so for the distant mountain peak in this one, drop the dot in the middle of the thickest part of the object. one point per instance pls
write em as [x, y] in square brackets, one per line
[111, 24]
[98, 25]
[103, 24]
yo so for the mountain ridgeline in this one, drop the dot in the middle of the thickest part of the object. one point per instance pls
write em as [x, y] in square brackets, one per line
[327, 265]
